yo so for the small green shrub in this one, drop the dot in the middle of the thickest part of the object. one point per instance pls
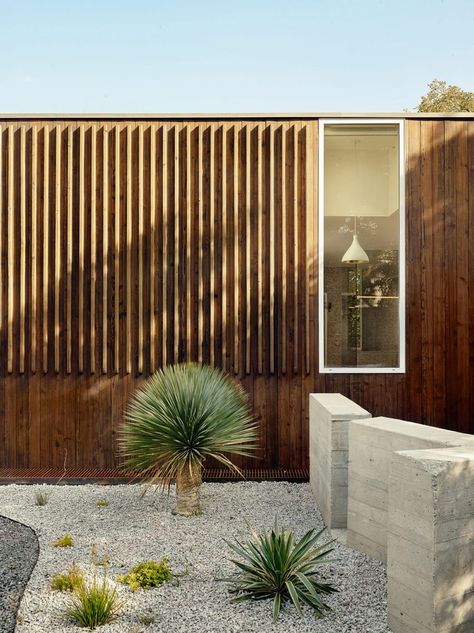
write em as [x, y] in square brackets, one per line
[147, 575]
[64, 541]
[146, 619]
[41, 498]
[95, 604]
[71, 580]
[276, 566]
[102, 503]
[98, 559]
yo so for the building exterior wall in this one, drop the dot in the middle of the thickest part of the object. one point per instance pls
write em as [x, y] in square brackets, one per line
[128, 244]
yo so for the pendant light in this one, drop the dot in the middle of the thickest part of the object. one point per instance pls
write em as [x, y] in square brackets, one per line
[355, 254]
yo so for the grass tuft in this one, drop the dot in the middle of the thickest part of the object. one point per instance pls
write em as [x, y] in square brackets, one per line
[41, 498]
[64, 541]
[95, 604]
[147, 575]
[97, 559]
[71, 580]
[146, 619]
[102, 503]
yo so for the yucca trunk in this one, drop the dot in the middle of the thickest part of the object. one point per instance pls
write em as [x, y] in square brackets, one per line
[188, 490]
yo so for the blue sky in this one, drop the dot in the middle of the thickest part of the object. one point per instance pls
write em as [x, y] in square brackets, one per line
[229, 56]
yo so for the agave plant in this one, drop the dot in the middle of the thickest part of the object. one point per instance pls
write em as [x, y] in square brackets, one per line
[182, 415]
[275, 566]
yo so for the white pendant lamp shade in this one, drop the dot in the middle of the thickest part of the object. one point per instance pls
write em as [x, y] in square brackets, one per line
[355, 254]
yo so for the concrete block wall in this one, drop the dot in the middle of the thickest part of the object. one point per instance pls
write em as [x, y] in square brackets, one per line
[329, 415]
[371, 447]
[431, 541]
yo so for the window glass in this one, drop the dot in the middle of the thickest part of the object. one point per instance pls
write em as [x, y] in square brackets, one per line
[361, 256]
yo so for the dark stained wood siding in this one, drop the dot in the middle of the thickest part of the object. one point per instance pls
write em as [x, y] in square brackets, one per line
[128, 244]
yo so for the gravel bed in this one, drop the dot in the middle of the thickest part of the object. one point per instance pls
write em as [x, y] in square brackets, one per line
[19, 551]
[132, 529]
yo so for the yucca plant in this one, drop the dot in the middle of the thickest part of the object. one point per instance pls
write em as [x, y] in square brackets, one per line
[95, 603]
[273, 565]
[182, 415]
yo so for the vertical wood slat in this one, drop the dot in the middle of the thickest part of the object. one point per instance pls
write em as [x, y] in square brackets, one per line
[212, 220]
[272, 245]
[128, 272]
[153, 239]
[57, 249]
[81, 247]
[247, 250]
[105, 246]
[237, 286]
[10, 247]
[200, 280]
[141, 254]
[23, 254]
[177, 228]
[93, 277]
[224, 246]
[308, 210]
[117, 252]
[188, 245]
[296, 128]
[260, 254]
[164, 329]
[34, 245]
[45, 314]
[69, 256]
[284, 255]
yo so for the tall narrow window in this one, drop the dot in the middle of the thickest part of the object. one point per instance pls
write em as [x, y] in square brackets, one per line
[361, 249]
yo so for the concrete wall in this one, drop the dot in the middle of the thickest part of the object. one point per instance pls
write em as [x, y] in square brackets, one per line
[371, 447]
[329, 415]
[408, 493]
[431, 541]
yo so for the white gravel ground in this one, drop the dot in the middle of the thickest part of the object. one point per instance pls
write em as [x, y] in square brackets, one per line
[134, 528]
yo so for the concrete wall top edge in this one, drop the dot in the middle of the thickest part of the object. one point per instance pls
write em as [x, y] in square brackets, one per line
[415, 430]
[438, 460]
[338, 407]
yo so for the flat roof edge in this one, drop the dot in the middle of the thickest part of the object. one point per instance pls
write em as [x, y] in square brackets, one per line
[233, 116]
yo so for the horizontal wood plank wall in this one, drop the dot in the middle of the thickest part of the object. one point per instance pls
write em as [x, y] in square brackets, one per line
[128, 245]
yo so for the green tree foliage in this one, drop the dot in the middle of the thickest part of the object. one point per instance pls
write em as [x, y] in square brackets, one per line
[442, 97]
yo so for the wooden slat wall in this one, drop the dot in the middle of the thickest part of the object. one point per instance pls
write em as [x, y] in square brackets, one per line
[128, 245]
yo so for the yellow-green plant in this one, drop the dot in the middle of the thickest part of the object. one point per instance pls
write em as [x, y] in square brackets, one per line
[71, 580]
[95, 603]
[273, 565]
[182, 415]
[64, 541]
[147, 575]
[102, 503]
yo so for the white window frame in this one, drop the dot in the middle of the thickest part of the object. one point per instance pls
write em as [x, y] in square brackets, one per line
[323, 369]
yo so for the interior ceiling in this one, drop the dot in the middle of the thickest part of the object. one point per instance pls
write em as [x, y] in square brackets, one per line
[375, 233]
[361, 181]
[361, 171]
